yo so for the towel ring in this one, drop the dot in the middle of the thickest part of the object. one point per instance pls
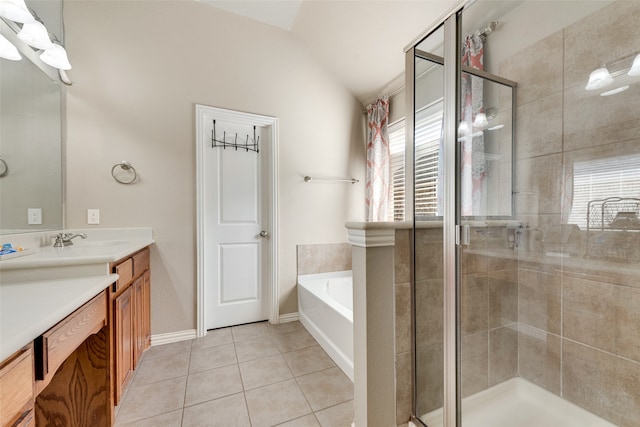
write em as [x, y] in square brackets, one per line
[4, 168]
[125, 166]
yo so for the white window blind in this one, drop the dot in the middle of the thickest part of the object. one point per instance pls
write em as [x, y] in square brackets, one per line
[428, 128]
[602, 178]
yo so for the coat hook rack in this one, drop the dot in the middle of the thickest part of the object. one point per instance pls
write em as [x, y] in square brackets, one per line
[247, 146]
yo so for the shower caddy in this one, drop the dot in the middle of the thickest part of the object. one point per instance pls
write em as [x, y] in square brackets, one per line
[613, 229]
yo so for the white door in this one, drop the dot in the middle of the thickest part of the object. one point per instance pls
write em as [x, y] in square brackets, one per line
[235, 225]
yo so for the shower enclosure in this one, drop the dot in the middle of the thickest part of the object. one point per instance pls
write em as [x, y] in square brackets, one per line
[526, 212]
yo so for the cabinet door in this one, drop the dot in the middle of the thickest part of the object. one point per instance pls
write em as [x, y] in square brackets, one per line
[124, 340]
[16, 389]
[138, 315]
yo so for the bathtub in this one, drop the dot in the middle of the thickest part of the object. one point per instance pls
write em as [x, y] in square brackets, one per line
[325, 309]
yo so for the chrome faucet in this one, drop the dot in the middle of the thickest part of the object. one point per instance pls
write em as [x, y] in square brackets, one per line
[64, 239]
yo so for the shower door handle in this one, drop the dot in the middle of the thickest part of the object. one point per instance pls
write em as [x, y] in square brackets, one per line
[463, 235]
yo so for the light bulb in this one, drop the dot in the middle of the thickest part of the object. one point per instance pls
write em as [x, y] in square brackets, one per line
[463, 128]
[480, 121]
[35, 34]
[16, 11]
[56, 56]
[599, 78]
[635, 68]
[8, 50]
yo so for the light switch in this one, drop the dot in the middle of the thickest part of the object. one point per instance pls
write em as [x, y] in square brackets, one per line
[93, 216]
[34, 216]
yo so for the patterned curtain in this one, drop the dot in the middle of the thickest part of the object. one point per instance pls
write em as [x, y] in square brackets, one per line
[473, 171]
[378, 187]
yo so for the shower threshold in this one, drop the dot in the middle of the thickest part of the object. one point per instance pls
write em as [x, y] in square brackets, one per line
[519, 403]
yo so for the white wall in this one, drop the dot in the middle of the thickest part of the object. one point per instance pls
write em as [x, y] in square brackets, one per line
[139, 68]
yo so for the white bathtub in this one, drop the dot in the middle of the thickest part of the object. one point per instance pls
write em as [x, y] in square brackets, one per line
[325, 308]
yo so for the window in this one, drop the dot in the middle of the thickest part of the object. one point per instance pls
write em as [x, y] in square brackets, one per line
[602, 178]
[428, 130]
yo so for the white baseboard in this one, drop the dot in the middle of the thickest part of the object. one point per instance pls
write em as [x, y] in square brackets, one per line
[170, 337]
[289, 317]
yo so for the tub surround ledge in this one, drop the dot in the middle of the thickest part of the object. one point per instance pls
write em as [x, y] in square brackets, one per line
[373, 323]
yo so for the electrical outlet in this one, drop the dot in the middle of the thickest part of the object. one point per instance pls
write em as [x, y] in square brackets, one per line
[93, 216]
[34, 216]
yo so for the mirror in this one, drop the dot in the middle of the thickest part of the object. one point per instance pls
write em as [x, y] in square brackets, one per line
[30, 148]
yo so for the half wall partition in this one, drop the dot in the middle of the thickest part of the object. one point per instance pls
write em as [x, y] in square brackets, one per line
[526, 213]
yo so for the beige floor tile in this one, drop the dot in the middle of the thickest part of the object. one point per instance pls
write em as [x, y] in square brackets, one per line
[308, 360]
[251, 331]
[286, 328]
[276, 403]
[306, 421]
[261, 372]
[289, 341]
[326, 388]
[170, 419]
[203, 359]
[256, 348]
[148, 400]
[212, 384]
[336, 416]
[168, 349]
[213, 338]
[152, 370]
[229, 411]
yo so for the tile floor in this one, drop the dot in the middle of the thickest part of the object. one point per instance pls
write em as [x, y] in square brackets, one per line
[247, 376]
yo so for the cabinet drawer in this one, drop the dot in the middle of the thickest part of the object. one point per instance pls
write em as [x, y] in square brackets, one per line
[141, 262]
[16, 389]
[125, 271]
[62, 340]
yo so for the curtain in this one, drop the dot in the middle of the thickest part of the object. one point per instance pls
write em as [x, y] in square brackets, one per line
[378, 187]
[473, 171]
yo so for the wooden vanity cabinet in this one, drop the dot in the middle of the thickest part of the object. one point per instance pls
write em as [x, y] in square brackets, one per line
[16, 389]
[130, 317]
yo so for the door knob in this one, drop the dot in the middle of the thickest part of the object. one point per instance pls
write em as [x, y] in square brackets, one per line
[264, 234]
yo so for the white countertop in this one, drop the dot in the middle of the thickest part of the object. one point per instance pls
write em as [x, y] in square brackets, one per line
[28, 309]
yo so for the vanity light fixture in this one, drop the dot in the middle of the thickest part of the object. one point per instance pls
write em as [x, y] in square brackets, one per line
[635, 68]
[599, 78]
[480, 121]
[615, 91]
[35, 34]
[16, 11]
[56, 56]
[8, 50]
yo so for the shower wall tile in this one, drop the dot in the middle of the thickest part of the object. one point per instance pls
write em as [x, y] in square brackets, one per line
[503, 354]
[474, 304]
[323, 258]
[429, 311]
[475, 363]
[604, 384]
[602, 315]
[546, 59]
[403, 317]
[591, 120]
[402, 256]
[503, 297]
[429, 262]
[429, 377]
[539, 180]
[539, 358]
[539, 127]
[540, 297]
[404, 388]
[605, 36]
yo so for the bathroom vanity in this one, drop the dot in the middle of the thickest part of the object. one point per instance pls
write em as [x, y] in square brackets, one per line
[74, 323]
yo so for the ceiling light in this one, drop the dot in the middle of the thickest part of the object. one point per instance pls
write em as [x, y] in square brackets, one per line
[599, 78]
[615, 91]
[56, 56]
[16, 11]
[35, 34]
[8, 50]
[480, 121]
[635, 68]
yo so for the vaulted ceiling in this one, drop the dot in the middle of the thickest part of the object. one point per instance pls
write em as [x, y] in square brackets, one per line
[361, 42]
